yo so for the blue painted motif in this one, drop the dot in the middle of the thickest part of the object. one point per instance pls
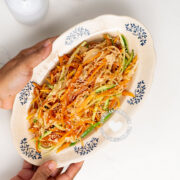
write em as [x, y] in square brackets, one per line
[139, 93]
[24, 94]
[28, 151]
[75, 34]
[137, 31]
[87, 148]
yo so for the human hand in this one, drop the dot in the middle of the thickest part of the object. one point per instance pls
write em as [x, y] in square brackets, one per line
[18, 71]
[47, 171]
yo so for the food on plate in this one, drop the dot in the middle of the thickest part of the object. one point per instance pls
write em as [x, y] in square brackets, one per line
[85, 84]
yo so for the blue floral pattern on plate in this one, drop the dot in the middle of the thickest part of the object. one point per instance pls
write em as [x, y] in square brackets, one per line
[87, 148]
[28, 151]
[24, 94]
[75, 34]
[139, 93]
[137, 31]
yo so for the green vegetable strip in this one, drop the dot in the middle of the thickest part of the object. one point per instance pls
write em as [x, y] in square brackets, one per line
[46, 148]
[72, 144]
[91, 128]
[35, 121]
[94, 112]
[123, 52]
[76, 52]
[50, 86]
[106, 117]
[129, 60]
[106, 104]
[39, 144]
[105, 88]
[125, 43]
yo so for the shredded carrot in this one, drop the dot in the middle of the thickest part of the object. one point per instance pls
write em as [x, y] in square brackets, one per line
[115, 40]
[30, 117]
[59, 68]
[62, 138]
[52, 78]
[127, 93]
[34, 100]
[107, 39]
[39, 114]
[45, 90]
[82, 142]
[128, 69]
[96, 70]
[78, 72]
[66, 57]
[61, 60]
[37, 149]
[112, 102]
[92, 59]
[134, 60]
[65, 145]
[77, 56]
[118, 101]
[123, 82]
[36, 85]
[33, 130]
[83, 105]
[49, 81]
[55, 105]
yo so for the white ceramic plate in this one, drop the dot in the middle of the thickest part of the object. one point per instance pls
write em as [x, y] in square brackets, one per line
[138, 38]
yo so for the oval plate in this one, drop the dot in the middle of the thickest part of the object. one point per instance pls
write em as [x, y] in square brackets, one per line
[138, 38]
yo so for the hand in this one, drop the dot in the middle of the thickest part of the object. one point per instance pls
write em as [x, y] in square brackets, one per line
[47, 171]
[18, 71]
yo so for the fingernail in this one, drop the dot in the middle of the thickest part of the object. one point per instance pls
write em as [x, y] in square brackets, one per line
[47, 43]
[52, 166]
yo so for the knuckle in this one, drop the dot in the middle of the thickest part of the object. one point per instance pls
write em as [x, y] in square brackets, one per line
[23, 52]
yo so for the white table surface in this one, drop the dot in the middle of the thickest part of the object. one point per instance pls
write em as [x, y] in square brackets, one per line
[152, 151]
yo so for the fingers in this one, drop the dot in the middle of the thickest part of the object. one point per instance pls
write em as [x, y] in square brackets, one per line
[71, 171]
[56, 172]
[39, 55]
[27, 165]
[25, 173]
[39, 45]
[34, 55]
[8, 103]
[45, 170]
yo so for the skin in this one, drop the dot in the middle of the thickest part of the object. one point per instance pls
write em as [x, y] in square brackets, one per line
[14, 76]
[47, 171]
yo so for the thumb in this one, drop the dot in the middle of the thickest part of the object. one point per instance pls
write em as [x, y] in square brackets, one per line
[45, 170]
[32, 60]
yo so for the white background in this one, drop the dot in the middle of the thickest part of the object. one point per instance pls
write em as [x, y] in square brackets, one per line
[152, 149]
